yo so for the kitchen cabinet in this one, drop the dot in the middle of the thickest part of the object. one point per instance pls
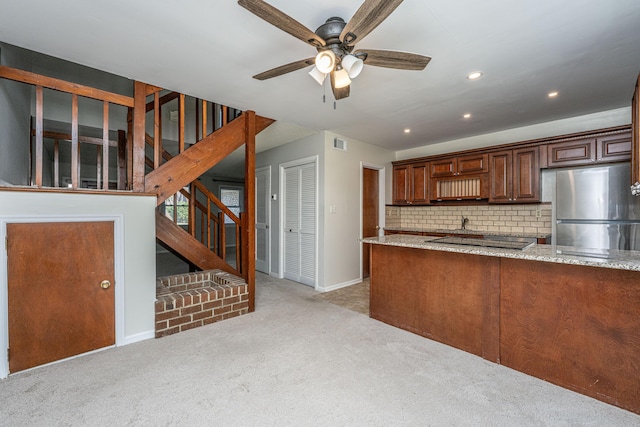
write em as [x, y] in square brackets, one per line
[582, 152]
[571, 153]
[462, 165]
[514, 176]
[410, 184]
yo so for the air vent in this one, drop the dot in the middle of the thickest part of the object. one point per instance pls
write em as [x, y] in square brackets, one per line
[339, 144]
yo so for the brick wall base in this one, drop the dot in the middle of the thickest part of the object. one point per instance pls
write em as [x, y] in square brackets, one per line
[186, 301]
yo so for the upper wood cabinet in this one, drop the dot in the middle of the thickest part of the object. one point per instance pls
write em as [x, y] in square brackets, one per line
[462, 165]
[583, 152]
[514, 176]
[410, 184]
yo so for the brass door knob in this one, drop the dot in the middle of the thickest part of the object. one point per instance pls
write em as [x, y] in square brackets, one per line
[105, 284]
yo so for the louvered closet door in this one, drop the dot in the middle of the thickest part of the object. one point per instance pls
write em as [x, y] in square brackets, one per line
[300, 223]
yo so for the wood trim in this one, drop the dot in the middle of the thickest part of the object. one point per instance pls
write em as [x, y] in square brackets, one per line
[249, 243]
[157, 132]
[138, 153]
[64, 86]
[181, 123]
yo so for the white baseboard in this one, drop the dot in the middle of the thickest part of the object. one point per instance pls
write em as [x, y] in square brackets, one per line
[276, 275]
[338, 286]
[130, 339]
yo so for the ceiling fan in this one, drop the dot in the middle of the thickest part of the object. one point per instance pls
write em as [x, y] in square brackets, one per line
[335, 41]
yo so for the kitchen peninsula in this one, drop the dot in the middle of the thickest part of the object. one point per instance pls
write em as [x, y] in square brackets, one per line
[556, 313]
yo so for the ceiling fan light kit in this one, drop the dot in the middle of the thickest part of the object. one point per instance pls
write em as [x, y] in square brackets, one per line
[334, 41]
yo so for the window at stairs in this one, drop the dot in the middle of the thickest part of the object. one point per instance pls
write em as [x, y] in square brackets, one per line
[232, 198]
[179, 204]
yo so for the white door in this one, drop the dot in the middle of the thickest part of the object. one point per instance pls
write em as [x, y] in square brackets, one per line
[299, 223]
[263, 218]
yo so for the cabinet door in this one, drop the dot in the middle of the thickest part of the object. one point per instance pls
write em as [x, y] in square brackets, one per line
[526, 175]
[419, 189]
[571, 153]
[472, 164]
[500, 182]
[401, 185]
[614, 148]
[446, 167]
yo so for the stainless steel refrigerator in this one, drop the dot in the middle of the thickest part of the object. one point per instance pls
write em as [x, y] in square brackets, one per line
[595, 208]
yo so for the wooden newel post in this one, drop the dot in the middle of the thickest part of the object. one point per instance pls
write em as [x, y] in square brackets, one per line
[250, 205]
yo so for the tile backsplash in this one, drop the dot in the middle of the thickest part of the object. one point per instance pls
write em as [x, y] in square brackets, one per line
[529, 218]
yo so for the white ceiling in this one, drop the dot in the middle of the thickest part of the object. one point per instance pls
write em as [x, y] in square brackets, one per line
[588, 50]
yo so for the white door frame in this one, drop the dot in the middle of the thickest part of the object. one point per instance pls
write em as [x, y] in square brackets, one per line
[118, 235]
[281, 168]
[268, 213]
[381, 201]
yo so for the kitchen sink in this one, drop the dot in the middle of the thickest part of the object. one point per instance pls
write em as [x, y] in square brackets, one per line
[502, 242]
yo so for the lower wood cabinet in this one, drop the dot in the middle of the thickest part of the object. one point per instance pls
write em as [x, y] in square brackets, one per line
[514, 176]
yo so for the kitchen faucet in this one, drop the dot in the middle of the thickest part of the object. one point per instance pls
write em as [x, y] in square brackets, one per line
[464, 222]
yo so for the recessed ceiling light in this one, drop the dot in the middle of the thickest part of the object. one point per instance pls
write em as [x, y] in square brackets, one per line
[467, 116]
[475, 75]
[407, 130]
[552, 94]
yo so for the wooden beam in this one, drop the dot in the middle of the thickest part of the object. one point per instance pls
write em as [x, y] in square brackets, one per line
[181, 123]
[249, 238]
[163, 99]
[186, 167]
[61, 85]
[138, 153]
[157, 132]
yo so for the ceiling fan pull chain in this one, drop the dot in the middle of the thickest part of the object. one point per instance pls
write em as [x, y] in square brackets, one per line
[334, 105]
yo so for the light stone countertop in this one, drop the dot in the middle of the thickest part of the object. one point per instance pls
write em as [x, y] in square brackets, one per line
[620, 260]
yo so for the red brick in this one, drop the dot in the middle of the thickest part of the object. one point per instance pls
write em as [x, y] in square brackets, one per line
[240, 306]
[186, 300]
[190, 325]
[244, 297]
[211, 304]
[167, 315]
[230, 315]
[161, 325]
[160, 334]
[222, 310]
[159, 305]
[202, 315]
[179, 303]
[179, 321]
[191, 309]
[231, 300]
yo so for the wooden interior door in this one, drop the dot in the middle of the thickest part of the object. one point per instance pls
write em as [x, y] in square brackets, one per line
[57, 305]
[370, 208]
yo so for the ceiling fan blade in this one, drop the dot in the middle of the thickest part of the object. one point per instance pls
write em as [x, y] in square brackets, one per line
[366, 19]
[284, 69]
[281, 20]
[393, 59]
[339, 93]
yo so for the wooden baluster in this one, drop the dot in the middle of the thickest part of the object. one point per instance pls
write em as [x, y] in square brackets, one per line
[157, 132]
[208, 223]
[197, 119]
[123, 162]
[204, 118]
[75, 146]
[99, 168]
[39, 137]
[105, 145]
[225, 115]
[181, 123]
[240, 244]
[56, 163]
[222, 246]
[192, 210]
[175, 208]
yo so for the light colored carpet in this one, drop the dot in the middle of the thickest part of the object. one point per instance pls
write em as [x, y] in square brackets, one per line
[295, 361]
